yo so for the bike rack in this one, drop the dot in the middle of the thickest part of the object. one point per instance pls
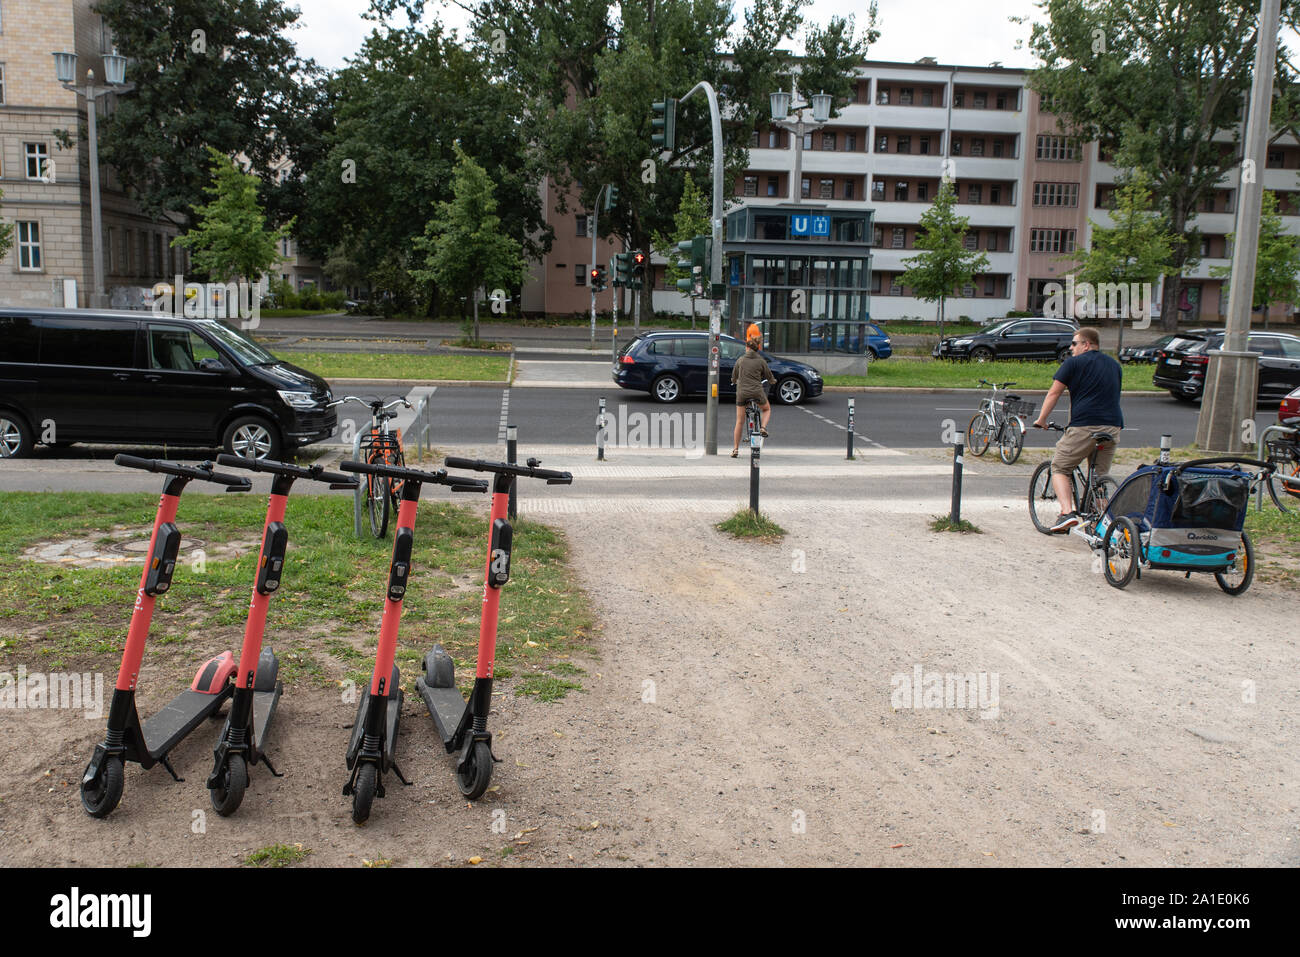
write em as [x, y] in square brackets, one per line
[1261, 453]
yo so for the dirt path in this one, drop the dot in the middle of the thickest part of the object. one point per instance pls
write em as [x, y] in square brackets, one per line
[741, 713]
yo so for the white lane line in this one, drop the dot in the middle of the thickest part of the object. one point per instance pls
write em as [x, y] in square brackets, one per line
[843, 428]
[505, 413]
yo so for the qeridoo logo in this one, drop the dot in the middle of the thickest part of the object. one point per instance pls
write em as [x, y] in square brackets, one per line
[76, 910]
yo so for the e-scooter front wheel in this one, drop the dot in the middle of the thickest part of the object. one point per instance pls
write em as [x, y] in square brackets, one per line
[474, 777]
[101, 796]
[229, 794]
[363, 792]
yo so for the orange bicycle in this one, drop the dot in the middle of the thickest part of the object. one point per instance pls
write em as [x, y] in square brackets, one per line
[381, 446]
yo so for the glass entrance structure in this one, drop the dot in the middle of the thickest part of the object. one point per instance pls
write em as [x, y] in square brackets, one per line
[803, 274]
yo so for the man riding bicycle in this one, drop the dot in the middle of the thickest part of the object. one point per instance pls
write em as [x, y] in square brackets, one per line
[747, 376]
[1093, 379]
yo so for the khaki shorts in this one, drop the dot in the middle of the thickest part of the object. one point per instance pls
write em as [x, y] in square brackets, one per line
[1076, 446]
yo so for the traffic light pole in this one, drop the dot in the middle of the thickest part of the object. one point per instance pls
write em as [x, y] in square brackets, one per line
[595, 215]
[715, 272]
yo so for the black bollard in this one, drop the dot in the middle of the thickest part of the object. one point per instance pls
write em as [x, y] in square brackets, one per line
[512, 451]
[956, 482]
[850, 454]
[755, 447]
[600, 432]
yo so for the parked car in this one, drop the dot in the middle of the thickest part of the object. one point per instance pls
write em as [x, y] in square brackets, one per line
[848, 337]
[69, 375]
[1149, 353]
[1181, 365]
[1033, 338]
[670, 365]
[1288, 413]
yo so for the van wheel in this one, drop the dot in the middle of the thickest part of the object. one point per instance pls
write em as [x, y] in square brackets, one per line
[15, 436]
[666, 388]
[252, 437]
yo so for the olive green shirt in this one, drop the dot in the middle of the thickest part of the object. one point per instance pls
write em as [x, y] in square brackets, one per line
[748, 374]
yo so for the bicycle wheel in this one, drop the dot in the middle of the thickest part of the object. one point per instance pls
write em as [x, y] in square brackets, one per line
[1011, 439]
[1284, 482]
[1121, 550]
[1237, 579]
[1101, 496]
[978, 434]
[377, 500]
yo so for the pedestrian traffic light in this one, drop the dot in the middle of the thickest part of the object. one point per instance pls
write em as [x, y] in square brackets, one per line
[622, 269]
[596, 277]
[700, 249]
[664, 124]
[638, 269]
[611, 197]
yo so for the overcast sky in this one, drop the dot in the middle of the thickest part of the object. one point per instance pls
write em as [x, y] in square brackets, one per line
[965, 32]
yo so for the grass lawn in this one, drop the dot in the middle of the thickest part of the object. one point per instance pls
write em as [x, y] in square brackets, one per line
[966, 375]
[361, 365]
[323, 623]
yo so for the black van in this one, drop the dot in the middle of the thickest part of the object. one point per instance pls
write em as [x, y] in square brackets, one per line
[70, 375]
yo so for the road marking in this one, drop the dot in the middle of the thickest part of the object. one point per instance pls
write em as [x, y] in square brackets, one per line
[505, 413]
[843, 428]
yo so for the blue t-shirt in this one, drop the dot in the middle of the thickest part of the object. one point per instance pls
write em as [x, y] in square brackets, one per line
[1093, 379]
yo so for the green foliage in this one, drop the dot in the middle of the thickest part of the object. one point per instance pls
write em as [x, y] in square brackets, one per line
[692, 220]
[230, 239]
[238, 87]
[945, 262]
[6, 233]
[1277, 263]
[747, 524]
[831, 53]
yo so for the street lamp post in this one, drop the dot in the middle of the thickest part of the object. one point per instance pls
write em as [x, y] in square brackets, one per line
[65, 68]
[781, 108]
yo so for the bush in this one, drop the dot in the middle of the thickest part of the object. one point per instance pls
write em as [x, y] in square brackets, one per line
[309, 298]
[333, 300]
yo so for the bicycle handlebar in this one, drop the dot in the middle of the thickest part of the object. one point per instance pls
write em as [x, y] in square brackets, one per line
[203, 472]
[314, 472]
[991, 385]
[457, 483]
[377, 404]
[552, 476]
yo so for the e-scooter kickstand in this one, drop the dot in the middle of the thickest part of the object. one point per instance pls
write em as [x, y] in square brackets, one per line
[127, 739]
[461, 724]
[373, 747]
[257, 688]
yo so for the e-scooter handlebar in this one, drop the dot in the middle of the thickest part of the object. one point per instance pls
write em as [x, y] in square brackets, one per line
[552, 476]
[457, 483]
[203, 472]
[313, 473]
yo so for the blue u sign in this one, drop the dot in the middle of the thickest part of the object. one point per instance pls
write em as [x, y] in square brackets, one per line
[800, 225]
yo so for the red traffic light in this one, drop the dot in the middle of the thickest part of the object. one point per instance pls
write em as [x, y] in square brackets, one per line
[595, 274]
[639, 258]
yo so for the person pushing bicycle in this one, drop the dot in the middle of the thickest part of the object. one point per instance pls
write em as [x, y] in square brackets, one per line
[1093, 379]
[747, 376]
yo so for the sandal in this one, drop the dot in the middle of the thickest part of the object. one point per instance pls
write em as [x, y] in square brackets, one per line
[735, 453]
[763, 432]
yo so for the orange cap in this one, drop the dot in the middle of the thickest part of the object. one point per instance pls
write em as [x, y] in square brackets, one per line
[753, 332]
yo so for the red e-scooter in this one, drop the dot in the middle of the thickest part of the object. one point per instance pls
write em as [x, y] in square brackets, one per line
[373, 747]
[257, 688]
[462, 724]
[149, 743]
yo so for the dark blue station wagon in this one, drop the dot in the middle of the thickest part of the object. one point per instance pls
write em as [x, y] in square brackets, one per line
[670, 365]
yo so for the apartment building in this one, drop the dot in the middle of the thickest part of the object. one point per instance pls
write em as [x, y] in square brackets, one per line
[1027, 190]
[46, 185]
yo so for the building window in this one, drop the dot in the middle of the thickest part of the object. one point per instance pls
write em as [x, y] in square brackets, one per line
[805, 188]
[751, 185]
[899, 237]
[956, 146]
[773, 184]
[882, 96]
[878, 190]
[580, 274]
[1047, 103]
[1002, 101]
[29, 246]
[927, 97]
[828, 141]
[971, 240]
[904, 145]
[1051, 240]
[807, 141]
[922, 192]
[977, 146]
[875, 283]
[923, 144]
[895, 287]
[850, 142]
[877, 235]
[882, 143]
[753, 139]
[1275, 159]
[37, 156]
[1207, 207]
[967, 291]
[848, 189]
[995, 195]
[773, 139]
[1055, 148]
[981, 101]
[864, 91]
[992, 242]
[959, 99]
[905, 96]
[900, 191]
[1056, 194]
[2, 84]
[997, 148]
[826, 189]
[990, 286]
[974, 193]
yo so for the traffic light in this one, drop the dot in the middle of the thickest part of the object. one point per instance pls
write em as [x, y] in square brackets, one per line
[700, 249]
[596, 277]
[622, 269]
[638, 269]
[611, 197]
[664, 124]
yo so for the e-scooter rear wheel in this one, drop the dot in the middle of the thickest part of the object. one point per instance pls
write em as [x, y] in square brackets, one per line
[473, 780]
[100, 799]
[363, 792]
[227, 797]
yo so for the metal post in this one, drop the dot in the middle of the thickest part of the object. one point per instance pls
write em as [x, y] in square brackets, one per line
[96, 217]
[600, 432]
[850, 455]
[755, 448]
[359, 495]
[613, 339]
[1166, 444]
[595, 215]
[511, 453]
[956, 482]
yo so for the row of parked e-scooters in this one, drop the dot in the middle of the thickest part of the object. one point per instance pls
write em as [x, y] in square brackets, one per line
[252, 684]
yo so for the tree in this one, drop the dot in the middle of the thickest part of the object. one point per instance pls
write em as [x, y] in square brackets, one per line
[945, 263]
[1135, 249]
[1277, 263]
[6, 233]
[231, 238]
[219, 73]
[692, 220]
[831, 53]
[1164, 81]
[463, 247]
